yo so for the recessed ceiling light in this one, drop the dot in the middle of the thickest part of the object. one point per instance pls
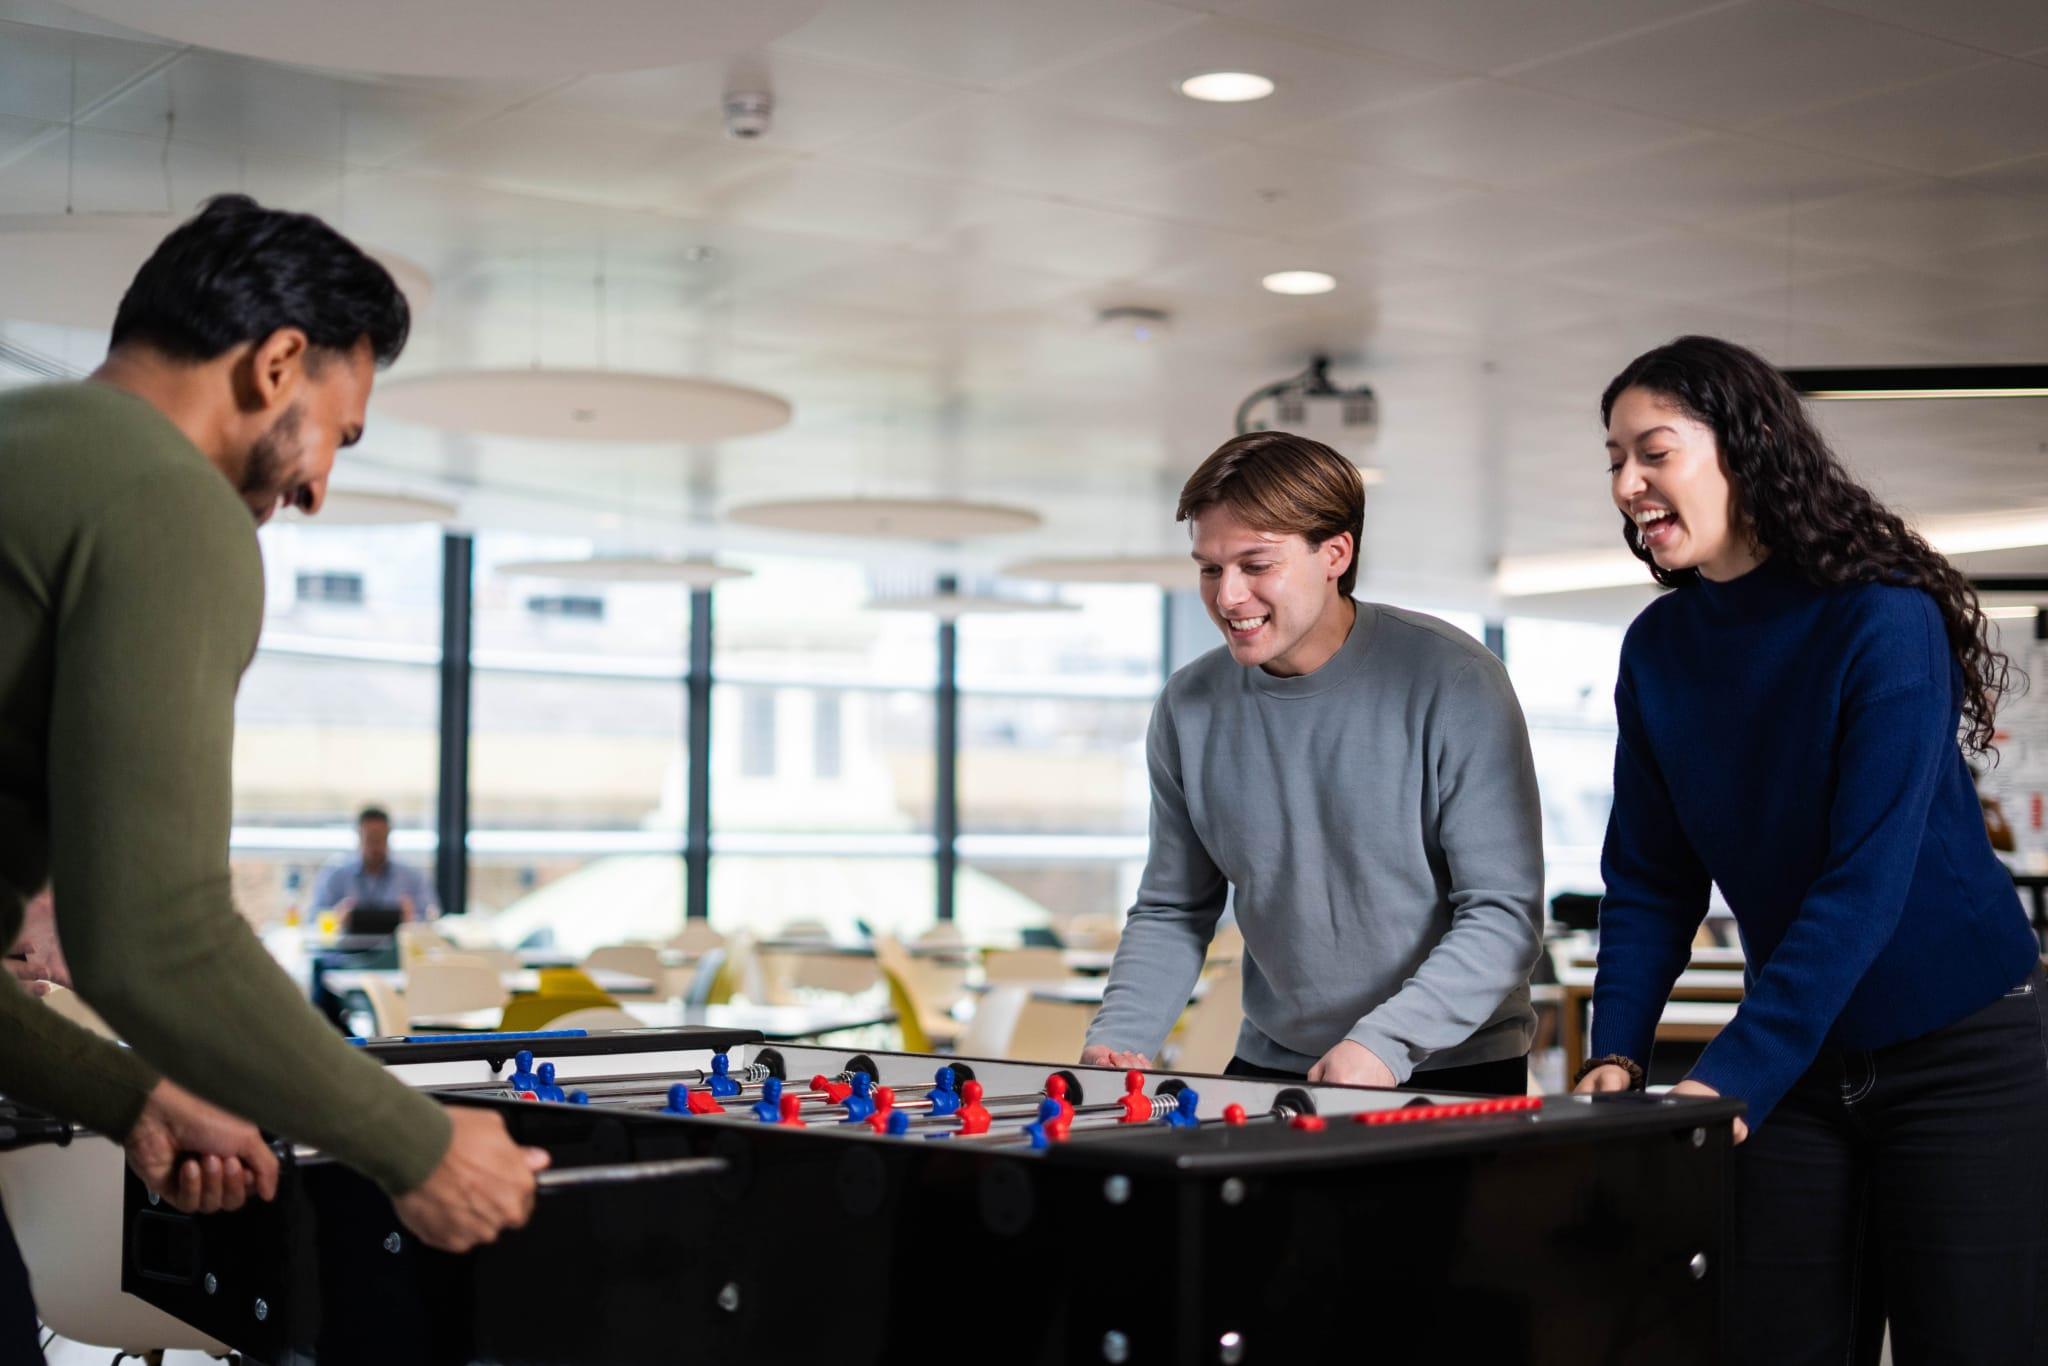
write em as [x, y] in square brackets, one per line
[1226, 87]
[1299, 282]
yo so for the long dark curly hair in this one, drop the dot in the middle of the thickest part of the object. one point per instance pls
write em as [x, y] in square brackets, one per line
[1794, 497]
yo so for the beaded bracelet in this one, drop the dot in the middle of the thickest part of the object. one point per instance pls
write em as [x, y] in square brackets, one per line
[1636, 1080]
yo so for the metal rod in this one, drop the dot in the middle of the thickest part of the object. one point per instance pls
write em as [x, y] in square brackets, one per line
[614, 1173]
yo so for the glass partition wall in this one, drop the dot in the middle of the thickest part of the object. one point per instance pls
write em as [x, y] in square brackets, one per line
[823, 758]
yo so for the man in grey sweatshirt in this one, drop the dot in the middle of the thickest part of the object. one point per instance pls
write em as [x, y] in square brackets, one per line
[1359, 778]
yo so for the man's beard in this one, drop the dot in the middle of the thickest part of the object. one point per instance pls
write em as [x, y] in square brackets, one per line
[271, 462]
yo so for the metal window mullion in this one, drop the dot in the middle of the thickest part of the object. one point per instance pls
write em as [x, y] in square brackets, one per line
[697, 693]
[451, 857]
[946, 758]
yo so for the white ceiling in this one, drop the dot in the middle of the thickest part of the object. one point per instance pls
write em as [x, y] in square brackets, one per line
[1515, 197]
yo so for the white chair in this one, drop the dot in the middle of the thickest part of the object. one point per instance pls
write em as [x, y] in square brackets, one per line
[1024, 965]
[387, 1007]
[597, 1020]
[1050, 1031]
[417, 940]
[640, 960]
[449, 984]
[994, 1023]
[696, 936]
[1092, 931]
[65, 1206]
[504, 960]
[786, 971]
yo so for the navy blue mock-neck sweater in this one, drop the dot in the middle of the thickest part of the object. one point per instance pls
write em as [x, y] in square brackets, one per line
[1797, 745]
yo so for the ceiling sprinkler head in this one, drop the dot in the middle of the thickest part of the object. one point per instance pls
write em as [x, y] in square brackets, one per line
[1135, 321]
[748, 114]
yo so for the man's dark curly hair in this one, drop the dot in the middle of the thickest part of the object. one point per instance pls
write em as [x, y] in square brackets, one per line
[1794, 497]
[238, 272]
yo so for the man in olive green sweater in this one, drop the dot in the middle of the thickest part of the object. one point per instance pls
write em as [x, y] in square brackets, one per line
[131, 597]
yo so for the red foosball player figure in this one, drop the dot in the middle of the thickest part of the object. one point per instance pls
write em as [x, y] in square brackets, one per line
[974, 1116]
[835, 1091]
[792, 1108]
[885, 1101]
[1136, 1104]
[1056, 1087]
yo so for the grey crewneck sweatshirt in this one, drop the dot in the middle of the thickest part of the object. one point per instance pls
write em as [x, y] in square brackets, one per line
[1378, 823]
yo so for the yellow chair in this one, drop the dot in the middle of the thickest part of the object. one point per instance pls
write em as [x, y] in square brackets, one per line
[917, 1012]
[725, 983]
[524, 1014]
[570, 982]
[915, 1040]
[597, 1020]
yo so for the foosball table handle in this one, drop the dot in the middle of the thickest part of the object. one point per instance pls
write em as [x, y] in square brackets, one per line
[614, 1173]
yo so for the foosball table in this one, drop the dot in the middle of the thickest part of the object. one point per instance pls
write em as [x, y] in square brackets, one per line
[715, 1199]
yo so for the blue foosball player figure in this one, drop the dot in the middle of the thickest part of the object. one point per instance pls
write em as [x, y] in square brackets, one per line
[860, 1103]
[769, 1108]
[1182, 1116]
[547, 1090]
[1049, 1110]
[945, 1100]
[720, 1081]
[522, 1078]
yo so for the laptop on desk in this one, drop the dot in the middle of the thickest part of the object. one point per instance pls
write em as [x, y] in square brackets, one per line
[370, 920]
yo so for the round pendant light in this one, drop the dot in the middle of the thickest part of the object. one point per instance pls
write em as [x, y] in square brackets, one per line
[953, 606]
[472, 38]
[71, 269]
[582, 405]
[363, 507]
[1162, 571]
[913, 519]
[691, 573]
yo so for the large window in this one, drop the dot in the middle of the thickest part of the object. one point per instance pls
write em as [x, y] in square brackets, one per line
[823, 777]
[1054, 795]
[340, 708]
[1564, 674]
[577, 751]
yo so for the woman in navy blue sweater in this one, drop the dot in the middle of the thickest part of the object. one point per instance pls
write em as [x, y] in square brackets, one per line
[1789, 719]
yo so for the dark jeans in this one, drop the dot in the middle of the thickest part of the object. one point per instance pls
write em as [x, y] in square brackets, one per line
[19, 1338]
[1908, 1183]
[1508, 1077]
